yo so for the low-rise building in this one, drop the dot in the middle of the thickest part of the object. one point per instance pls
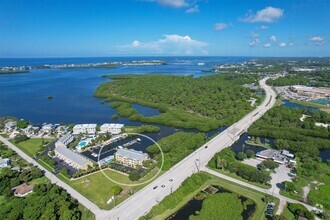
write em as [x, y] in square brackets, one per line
[111, 128]
[273, 155]
[130, 157]
[22, 190]
[72, 158]
[10, 126]
[65, 140]
[4, 162]
[84, 128]
[287, 154]
[48, 128]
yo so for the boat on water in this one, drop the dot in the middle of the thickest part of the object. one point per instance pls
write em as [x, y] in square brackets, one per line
[200, 64]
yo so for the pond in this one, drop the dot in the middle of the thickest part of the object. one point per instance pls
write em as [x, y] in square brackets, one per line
[325, 101]
[290, 104]
[195, 205]
[241, 146]
[145, 110]
[325, 155]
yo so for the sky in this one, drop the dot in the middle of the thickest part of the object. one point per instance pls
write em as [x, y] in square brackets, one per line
[82, 28]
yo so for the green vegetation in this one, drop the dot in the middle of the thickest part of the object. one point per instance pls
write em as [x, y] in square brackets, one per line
[89, 186]
[320, 195]
[22, 124]
[32, 146]
[316, 79]
[142, 129]
[134, 175]
[300, 210]
[16, 161]
[188, 186]
[202, 103]
[269, 164]
[226, 205]
[225, 160]
[305, 140]
[283, 124]
[46, 202]
[193, 185]
[176, 147]
[20, 137]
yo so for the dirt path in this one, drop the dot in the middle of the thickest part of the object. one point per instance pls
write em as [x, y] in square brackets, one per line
[281, 207]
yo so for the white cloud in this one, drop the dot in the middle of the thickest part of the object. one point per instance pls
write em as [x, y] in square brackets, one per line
[263, 27]
[254, 43]
[173, 3]
[272, 38]
[317, 40]
[282, 44]
[136, 43]
[267, 15]
[267, 45]
[194, 9]
[220, 26]
[171, 44]
[254, 35]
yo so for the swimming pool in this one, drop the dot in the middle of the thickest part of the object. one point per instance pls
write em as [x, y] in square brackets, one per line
[83, 143]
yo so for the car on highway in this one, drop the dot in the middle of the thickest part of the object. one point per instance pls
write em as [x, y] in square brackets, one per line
[171, 180]
[206, 147]
[163, 186]
[155, 187]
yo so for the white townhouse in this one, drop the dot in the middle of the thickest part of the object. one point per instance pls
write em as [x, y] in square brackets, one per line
[111, 128]
[84, 128]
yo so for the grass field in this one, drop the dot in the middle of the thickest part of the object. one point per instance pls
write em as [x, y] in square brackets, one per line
[240, 190]
[31, 146]
[287, 214]
[40, 180]
[97, 188]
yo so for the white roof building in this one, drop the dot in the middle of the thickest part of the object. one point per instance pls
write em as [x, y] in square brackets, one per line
[111, 128]
[84, 128]
[130, 157]
[4, 162]
[73, 159]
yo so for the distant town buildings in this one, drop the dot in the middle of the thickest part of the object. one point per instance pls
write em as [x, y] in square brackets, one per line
[111, 128]
[22, 190]
[130, 157]
[4, 162]
[84, 129]
[72, 158]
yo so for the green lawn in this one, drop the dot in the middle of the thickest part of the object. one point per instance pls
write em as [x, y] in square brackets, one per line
[240, 190]
[41, 180]
[98, 189]
[287, 214]
[31, 146]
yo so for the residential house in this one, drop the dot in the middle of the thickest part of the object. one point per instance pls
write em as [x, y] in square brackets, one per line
[4, 162]
[22, 190]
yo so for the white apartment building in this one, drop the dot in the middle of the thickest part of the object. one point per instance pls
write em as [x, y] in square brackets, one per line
[84, 128]
[111, 128]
